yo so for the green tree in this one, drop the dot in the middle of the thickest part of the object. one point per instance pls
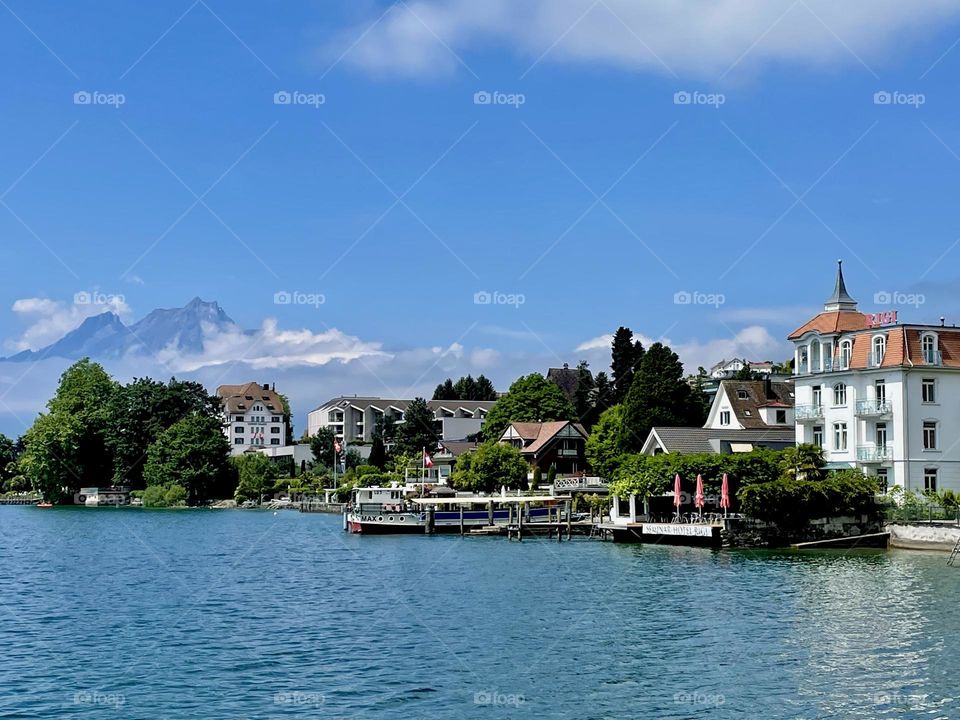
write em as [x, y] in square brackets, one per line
[803, 462]
[193, 453]
[8, 462]
[164, 496]
[745, 373]
[321, 445]
[352, 458]
[287, 418]
[466, 388]
[659, 395]
[445, 391]
[625, 357]
[603, 450]
[484, 389]
[52, 457]
[491, 466]
[378, 451]
[584, 399]
[256, 476]
[531, 398]
[418, 429]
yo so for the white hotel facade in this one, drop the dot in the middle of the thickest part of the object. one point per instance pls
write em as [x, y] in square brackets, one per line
[878, 395]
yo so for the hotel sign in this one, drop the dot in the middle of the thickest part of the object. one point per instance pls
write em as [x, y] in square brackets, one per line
[888, 317]
[677, 529]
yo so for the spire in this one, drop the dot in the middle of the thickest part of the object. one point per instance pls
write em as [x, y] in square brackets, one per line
[840, 300]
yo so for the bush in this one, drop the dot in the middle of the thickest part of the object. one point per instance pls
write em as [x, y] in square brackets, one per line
[164, 496]
[793, 503]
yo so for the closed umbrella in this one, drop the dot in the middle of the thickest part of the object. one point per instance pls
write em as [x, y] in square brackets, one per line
[699, 498]
[725, 494]
[676, 493]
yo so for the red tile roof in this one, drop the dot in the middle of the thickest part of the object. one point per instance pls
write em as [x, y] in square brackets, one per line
[832, 322]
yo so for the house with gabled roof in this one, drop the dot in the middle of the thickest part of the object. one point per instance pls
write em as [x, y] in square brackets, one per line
[560, 443]
[253, 417]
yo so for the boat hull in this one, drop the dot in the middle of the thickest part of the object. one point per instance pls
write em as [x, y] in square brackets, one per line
[447, 521]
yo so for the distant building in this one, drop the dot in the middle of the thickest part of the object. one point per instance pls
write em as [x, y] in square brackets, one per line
[354, 419]
[101, 496]
[253, 417]
[745, 415]
[879, 395]
[561, 444]
[567, 379]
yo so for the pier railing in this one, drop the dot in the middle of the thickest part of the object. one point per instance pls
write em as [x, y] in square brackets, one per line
[921, 514]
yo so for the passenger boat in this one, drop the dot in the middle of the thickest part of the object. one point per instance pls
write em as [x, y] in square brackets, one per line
[377, 510]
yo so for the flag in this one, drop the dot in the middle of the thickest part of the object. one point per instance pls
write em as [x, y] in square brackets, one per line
[336, 447]
[427, 460]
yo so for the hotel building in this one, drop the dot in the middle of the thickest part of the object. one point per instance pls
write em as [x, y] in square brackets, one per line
[253, 417]
[880, 395]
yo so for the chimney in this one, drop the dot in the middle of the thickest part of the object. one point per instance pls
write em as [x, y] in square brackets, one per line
[943, 321]
[266, 386]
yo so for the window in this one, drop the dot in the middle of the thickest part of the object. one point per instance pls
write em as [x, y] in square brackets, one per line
[929, 435]
[883, 482]
[840, 394]
[274, 441]
[928, 345]
[840, 436]
[238, 418]
[817, 396]
[929, 390]
[879, 347]
[818, 435]
[274, 431]
[930, 479]
[724, 417]
[881, 435]
[239, 430]
[781, 417]
[881, 387]
[846, 349]
[258, 408]
[742, 394]
[238, 441]
[275, 418]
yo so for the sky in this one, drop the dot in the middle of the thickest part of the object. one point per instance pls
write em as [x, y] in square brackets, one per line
[392, 193]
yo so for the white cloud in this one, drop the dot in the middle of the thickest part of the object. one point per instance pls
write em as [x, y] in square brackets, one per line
[754, 343]
[666, 36]
[604, 342]
[49, 320]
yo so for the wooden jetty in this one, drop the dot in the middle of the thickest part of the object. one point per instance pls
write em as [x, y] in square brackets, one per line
[19, 501]
[705, 534]
[319, 506]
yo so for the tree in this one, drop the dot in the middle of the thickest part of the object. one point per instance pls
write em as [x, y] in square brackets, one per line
[659, 395]
[418, 429]
[603, 394]
[625, 357]
[143, 409]
[584, 398]
[287, 418]
[603, 445]
[531, 398]
[67, 449]
[803, 462]
[193, 453]
[321, 445]
[352, 458]
[8, 458]
[256, 475]
[466, 388]
[445, 391]
[378, 451]
[491, 466]
[164, 496]
[745, 373]
[484, 389]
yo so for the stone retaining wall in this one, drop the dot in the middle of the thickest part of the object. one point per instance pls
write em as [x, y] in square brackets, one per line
[924, 536]
[752, 533]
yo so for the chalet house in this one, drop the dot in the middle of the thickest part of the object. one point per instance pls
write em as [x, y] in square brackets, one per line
[560, 444]
[253, 417]
[745, 415]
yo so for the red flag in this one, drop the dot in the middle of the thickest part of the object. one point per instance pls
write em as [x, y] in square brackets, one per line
[336, 447]
[427, 460]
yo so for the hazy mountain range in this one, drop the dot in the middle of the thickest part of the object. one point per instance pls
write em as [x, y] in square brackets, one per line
[105, 336]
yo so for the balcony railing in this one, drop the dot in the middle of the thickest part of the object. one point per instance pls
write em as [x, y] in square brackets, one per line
[874, 453]
[807, 413]
[873, 408]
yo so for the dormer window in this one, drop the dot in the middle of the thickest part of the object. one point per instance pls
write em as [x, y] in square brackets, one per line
[928, 346]
[878, 349]
[742, 395]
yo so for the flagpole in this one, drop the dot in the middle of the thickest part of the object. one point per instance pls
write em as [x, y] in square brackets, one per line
[334, 461]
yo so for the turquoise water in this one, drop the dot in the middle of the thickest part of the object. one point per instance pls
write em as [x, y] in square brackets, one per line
[232, 614]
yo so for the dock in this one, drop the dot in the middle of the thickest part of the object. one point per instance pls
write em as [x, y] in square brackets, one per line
[19, 501]
[873, 540]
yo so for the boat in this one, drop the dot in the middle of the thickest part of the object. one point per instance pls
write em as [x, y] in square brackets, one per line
[44, 504]
[395, 510]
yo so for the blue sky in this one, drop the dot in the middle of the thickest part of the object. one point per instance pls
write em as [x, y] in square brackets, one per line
[397, 199]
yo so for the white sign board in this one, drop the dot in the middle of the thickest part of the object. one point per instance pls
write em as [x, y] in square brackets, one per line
[677, 529]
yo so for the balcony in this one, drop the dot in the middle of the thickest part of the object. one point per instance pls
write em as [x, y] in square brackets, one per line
[873, 408]
[808, 413]
[873, 454]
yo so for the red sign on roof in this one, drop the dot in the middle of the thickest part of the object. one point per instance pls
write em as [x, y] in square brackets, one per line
[881, 318]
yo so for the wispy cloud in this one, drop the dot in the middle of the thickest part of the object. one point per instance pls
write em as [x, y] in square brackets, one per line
[430, 37]
[48, 320]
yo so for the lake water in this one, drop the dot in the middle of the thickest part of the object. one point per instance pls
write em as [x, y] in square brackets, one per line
[232, 614]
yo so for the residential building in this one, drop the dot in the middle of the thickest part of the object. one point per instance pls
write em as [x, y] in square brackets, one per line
[354, 419]
[253, 417]
[567, 379]
[744, 415]
[878, 394]
[561, 444]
